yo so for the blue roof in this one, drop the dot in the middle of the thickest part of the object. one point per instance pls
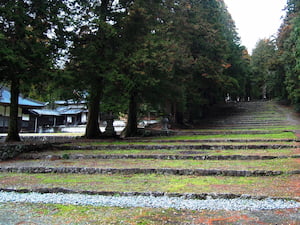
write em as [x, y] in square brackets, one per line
[45, 112]
[5, 99]
[71, 111]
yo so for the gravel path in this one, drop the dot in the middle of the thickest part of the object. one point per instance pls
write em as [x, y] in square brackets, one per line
[149, 201]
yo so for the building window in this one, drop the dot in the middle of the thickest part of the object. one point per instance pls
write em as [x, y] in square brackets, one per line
[25, 117]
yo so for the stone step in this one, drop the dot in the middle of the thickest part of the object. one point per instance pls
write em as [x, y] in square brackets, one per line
[241, 125]
[166, 147]
[221, 140]
[235, 120]
[200, 196]
[151, 156]
[216, 131]
[128, 171]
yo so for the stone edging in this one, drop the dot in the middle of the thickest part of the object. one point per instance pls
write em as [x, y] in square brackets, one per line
[227, 131]
[175, 147]
[221, 140]
[161, 171]
[198, 196]
[9, 151]
[153, 156]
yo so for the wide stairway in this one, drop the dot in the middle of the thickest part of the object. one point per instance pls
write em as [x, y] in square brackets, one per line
[244, 149]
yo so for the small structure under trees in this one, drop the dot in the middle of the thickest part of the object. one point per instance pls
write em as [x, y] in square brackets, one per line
[25, 104]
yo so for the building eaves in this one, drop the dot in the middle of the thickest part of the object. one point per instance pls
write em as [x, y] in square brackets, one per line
[23, 102]
[45, 112]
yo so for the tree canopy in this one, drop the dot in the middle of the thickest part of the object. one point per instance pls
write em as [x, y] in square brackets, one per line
[31, 34]
[289, 52]
[276, 62]
[176, 57]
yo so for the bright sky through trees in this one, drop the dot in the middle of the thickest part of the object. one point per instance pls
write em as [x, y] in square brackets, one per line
[256, 19]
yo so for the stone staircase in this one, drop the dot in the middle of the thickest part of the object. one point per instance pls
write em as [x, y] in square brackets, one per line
[267, 150]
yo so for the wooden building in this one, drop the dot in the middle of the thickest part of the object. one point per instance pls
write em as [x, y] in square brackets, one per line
[23, 112]
[34, 116]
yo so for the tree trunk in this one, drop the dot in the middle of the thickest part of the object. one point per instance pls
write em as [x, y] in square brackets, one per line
[131, 127]
[92, 128]
[13, 128]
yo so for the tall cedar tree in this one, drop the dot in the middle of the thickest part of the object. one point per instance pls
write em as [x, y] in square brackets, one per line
[138, 64]
[288, 42]
[263, 57]
[94, 53]
[150, 57]
[91, 61]
[202, 46]
[210, 60]
[31, 34]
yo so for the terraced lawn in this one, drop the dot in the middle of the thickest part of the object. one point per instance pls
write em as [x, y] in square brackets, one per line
[250, 129]
[286, 185]
[252, 152]
[274, 136]
[197, 140]
[274, 164]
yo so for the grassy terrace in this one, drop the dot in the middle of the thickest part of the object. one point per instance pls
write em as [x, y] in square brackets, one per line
[264, 129]
[284, 184]
[185, 143]
[278, 138]
[266, 152]
[281, 135]
[275, 164]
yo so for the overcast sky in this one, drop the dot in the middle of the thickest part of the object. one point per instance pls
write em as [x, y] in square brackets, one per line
[256, 19]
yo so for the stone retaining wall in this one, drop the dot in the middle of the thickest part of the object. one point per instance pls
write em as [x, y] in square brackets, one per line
[9, 151]
[227, 131]
[224, 140]
[160, 157]
[199, 196]
[31, 143]
[44, 138]
[177, 147]
[162, 171]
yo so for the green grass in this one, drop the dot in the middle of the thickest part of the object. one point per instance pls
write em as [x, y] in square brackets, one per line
[185, 142]
[275, 152]
[282, 135]
[275, 129]
[267, 118]
[275, 164]
[153, 182]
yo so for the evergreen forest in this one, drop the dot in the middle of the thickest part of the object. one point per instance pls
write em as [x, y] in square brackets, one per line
[175, 57]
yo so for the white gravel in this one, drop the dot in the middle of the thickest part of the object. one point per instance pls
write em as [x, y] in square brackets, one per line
[149, 201]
